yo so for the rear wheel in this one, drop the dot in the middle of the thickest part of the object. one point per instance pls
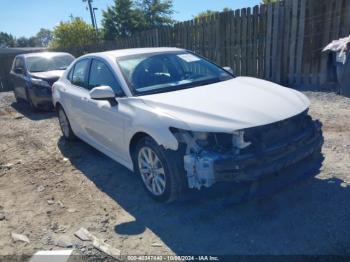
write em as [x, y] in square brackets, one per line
[160, 173]
[65, 125]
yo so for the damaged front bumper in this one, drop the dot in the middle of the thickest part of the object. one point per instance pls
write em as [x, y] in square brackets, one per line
[270, 160]
[41, 95]
[207, 167]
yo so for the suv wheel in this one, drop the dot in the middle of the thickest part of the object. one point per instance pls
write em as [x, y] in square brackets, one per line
[65, 125]
[160, 173]
[18, 99]
[32, 106]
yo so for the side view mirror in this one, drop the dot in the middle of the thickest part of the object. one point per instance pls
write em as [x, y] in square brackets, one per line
[19, 70]
[102, 93]
[228, 69]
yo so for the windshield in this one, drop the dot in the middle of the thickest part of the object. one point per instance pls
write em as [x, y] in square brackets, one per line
[47, 63]
[163, 72]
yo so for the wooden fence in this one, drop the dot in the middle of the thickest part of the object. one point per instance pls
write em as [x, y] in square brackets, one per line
[281, 42]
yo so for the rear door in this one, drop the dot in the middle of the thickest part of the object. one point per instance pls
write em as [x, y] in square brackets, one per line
[75, 94]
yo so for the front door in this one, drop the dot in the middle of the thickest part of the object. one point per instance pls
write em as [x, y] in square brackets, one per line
[19, 78]
[104, 121]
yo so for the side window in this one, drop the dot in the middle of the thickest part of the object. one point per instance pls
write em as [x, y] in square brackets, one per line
[100, 75]
[79, 73]
[70, 74]
[16, 64]
[19, 63]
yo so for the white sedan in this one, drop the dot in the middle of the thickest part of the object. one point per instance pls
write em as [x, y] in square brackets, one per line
[180, 121]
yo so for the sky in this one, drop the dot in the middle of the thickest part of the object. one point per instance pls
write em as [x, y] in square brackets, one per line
[26, 17]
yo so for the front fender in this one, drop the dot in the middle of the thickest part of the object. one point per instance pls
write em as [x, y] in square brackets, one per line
[151, 121]
[161, 135]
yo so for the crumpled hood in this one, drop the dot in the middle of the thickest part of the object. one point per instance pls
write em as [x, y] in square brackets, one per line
[51, 76]
[230, 105]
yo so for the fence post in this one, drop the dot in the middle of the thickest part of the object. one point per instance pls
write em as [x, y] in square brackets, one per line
[221, 38]
[300, 45]
[244, 42]
[238, 42]
[326, 38]
[157, 37]
[275, 41]
[346, 27]
[286, 40]
[262, 41]
[268, 42]
[293, 39]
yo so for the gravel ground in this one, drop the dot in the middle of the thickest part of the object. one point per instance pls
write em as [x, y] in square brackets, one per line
[49, 188]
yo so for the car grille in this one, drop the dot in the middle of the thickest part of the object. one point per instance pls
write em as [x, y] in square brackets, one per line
[277, 133]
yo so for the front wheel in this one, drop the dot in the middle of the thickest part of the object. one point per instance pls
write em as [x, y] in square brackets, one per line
[65, 125]
[17, 97]
[31, 103]
[159, 170]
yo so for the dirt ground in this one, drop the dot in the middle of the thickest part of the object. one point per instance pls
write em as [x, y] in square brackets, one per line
[49, 188]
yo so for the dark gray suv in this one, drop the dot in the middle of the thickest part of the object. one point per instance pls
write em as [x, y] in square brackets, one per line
[33, 75]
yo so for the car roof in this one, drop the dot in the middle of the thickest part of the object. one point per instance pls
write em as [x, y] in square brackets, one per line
[136, 51]
[42, 54]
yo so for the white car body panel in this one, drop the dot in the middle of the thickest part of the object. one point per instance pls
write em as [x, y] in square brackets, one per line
[226, 106]
[231, 105]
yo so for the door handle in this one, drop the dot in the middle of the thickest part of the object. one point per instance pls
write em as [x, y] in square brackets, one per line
[84, 99]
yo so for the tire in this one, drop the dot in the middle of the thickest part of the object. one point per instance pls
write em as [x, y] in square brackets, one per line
[18, 99]
[167, 169]
[32, 105]
[65, 125]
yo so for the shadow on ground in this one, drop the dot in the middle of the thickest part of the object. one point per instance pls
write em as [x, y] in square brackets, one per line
[24, 109]
[294, 213]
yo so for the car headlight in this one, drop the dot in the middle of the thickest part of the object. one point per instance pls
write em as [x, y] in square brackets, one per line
[234, 140]
[40, 82]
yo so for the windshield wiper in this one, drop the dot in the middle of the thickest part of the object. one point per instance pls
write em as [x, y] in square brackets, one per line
[180, 87]
[203, 82]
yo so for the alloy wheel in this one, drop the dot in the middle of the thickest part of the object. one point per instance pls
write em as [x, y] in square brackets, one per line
[152, 171]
